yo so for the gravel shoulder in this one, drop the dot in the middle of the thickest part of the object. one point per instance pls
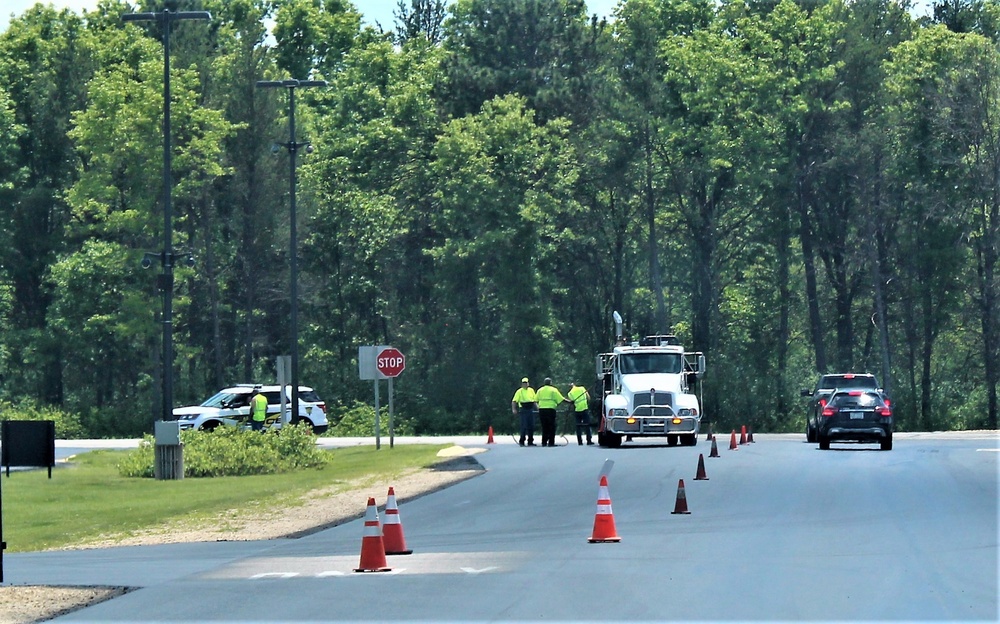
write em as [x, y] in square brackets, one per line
[312, 512]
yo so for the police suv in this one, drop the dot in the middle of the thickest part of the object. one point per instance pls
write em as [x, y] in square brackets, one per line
[231, 407]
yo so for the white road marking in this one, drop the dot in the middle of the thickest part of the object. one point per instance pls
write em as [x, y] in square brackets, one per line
[475, 571]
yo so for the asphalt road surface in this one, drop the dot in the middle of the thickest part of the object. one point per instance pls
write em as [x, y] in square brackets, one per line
[778, 531]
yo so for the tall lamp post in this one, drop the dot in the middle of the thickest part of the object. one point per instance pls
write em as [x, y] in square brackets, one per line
[293, 147]
[165, 282]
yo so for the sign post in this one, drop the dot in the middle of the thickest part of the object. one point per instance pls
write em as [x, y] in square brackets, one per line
[381, 362]
[390, 362]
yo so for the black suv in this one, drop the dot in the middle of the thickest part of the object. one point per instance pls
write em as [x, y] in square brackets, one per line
[858, 415]
[825, 388]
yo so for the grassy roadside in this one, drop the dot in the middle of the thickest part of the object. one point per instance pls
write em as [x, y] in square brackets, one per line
[89, 499]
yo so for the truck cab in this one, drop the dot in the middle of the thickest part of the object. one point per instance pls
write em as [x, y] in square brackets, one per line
[648, 389]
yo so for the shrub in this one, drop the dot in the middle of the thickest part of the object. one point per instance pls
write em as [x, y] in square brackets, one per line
[228, 451]
[359, 421]
[68, 426]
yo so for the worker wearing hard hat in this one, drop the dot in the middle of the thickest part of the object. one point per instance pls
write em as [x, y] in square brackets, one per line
[549, 398]
[524, 404]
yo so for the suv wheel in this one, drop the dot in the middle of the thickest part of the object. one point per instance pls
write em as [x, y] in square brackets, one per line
[824, 442]
[810, 433]
[886, 444]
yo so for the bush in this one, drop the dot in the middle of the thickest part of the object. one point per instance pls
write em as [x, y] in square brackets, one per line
[68, 426]
[228, 451]
[359, 421]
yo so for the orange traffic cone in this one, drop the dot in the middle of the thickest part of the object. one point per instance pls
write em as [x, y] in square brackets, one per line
[750, 436]
[681, 506]
[604, 520]
[743, 435]
[372, 548]
[715, 449]
[392, 528]
[732, 442]
[709, 436]
[701, 476]
[489, 438]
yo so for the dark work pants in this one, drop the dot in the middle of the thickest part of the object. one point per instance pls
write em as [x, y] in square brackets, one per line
[527, 425]
[582, 425]
[548, 417]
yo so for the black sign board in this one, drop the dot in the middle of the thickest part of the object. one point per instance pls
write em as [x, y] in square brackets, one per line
[28, 443]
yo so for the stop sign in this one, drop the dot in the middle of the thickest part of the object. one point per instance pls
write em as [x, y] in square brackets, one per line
[390, 362]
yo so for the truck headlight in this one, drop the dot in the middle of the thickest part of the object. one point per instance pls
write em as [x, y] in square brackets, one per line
[617, 411]
[687, 411]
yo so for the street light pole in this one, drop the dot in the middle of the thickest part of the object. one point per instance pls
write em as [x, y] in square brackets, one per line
[165, 281]
[293, 149]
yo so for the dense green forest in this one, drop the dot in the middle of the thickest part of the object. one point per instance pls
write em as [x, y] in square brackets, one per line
[790, 187]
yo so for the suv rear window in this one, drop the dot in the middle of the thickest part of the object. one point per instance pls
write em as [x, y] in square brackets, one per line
[848, 381]
[309, 396]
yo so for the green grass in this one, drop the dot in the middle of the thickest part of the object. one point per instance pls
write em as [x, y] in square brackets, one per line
[89, 499]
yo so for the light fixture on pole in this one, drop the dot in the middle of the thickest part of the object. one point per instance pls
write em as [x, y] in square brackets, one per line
[165, 281]
[293, 147]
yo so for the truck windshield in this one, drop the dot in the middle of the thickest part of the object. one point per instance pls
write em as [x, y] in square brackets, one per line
[632, 363]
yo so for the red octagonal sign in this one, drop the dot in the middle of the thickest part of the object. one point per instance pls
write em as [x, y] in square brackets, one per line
[390, 362]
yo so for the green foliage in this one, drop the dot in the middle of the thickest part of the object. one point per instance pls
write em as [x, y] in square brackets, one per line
[229, 451]
[68, 425]
[359, 421]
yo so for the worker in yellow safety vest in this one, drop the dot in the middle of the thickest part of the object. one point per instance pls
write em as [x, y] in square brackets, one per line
[258, 409]
[524, 404]
[549, 398]
[581, 412]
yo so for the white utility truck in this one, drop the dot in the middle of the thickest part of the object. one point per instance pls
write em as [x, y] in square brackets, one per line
[649, 388]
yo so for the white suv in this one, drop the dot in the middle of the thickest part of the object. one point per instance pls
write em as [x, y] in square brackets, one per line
[231, 407]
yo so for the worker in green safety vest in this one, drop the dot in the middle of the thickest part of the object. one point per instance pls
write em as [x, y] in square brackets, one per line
[549, 398]
[258, 409]
[524, 405]
[581, 412]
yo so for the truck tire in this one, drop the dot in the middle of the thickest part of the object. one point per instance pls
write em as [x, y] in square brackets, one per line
[689, 439]
[671, 439]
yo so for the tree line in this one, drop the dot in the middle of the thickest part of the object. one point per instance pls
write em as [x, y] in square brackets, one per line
[790, 187]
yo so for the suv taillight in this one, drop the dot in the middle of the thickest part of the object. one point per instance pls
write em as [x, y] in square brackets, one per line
[322, 407]
[884, 412]
[829, 411]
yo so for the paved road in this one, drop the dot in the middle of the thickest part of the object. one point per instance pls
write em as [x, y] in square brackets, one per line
[779, 531]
